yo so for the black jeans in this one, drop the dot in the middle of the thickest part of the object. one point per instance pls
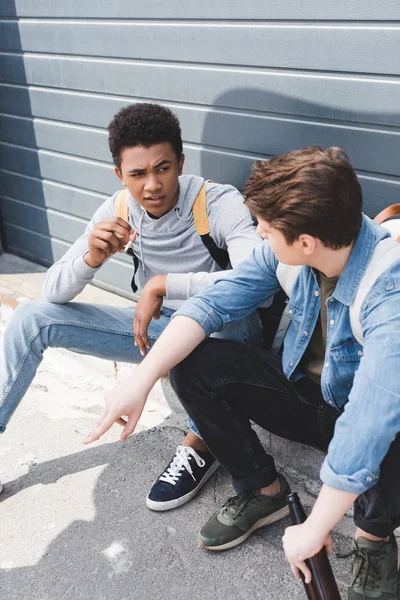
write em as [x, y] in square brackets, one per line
[224, 384]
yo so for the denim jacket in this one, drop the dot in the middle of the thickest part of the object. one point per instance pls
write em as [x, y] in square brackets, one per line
[363, 382]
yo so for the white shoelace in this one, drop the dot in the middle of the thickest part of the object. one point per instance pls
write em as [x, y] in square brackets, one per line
[181, 462]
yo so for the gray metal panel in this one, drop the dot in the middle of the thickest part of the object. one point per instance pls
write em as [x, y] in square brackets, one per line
[364, 99]
[60, 137]
[377, 105]
[49, 194]
[247, 80]
[206, 9]
[41, 220]
[265, 136]
[78, 172]
[290, 46]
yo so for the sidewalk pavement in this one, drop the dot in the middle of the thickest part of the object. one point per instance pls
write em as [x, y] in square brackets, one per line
[73, 519]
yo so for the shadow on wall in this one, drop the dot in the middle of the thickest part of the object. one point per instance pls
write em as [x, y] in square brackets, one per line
[232, 140]
[22, 200]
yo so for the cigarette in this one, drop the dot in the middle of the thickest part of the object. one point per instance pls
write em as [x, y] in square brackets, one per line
[129, 245]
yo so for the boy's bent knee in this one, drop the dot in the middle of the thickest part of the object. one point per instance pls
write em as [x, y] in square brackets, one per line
[31, 310]
[200, 366]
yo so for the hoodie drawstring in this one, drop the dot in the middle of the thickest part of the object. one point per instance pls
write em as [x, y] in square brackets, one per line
[140, 242]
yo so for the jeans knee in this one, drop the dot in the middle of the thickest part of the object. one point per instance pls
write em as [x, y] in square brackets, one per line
[198, 370]
[29, 316]
[186, 373]
[180, 374]
[26, 312]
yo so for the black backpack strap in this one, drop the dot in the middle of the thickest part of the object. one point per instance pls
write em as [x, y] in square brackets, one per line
[135, 268]
[220, 255]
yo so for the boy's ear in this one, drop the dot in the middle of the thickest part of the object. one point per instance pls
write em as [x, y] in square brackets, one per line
[119, 175]
[180, 164]
[308, 243]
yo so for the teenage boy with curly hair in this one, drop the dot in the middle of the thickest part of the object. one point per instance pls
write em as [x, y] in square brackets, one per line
[173, 262]
[325, 389]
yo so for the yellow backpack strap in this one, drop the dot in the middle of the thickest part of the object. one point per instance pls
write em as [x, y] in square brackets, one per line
[121, 208]
[200, 212]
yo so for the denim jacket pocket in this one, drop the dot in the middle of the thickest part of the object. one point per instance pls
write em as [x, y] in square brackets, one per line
[347, 358]
[295, 312]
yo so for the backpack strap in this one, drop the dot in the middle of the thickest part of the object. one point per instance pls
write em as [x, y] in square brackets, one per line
[199, 210]
[287, 276]
[121, 207]
[121, 210]
[384, 255]
[387, 213]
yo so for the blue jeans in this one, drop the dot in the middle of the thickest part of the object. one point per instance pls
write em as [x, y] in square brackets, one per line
[93, 329]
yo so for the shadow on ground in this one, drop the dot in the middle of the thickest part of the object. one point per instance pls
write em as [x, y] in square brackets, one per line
[127, 551]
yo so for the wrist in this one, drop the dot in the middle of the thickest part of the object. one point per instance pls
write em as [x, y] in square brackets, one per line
[314, 530]
[317, 526]
[90, 262]
[158, 285]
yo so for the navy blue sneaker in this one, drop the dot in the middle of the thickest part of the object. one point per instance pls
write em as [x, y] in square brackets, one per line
[185, 475]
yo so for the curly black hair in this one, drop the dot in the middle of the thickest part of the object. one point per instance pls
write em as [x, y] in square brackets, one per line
[143, 124]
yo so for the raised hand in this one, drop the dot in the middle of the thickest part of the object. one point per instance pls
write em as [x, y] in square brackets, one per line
[107, 238]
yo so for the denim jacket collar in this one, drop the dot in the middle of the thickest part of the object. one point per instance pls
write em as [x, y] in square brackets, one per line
[359, 258]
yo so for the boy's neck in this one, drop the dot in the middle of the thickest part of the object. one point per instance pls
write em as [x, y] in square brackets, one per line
[331, 262]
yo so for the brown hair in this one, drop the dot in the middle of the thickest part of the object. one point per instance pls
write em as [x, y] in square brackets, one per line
[311, 191]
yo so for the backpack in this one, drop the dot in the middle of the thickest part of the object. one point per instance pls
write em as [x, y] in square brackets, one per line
[199, 210]
[386, 252]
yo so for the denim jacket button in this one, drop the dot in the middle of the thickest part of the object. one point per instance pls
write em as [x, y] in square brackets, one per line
[305, 333]
[360, 353]
[331, 322]
[290, 311]
[291, 364]
[369, 479]
[316, 293]
[326, 365]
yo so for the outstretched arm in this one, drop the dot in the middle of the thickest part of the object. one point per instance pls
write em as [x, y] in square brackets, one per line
[177, 341]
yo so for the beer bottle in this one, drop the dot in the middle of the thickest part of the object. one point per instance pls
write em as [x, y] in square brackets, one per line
[322, 585]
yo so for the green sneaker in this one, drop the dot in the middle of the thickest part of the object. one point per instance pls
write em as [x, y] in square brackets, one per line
[373, 570]
[241, 515]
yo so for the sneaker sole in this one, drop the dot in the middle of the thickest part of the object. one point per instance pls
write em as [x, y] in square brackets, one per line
[276, 516]
[170, 504]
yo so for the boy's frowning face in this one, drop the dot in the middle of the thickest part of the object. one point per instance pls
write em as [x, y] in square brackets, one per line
[151, 176]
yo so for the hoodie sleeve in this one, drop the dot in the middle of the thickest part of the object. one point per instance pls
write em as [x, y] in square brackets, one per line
[69, 275]
[231, 227]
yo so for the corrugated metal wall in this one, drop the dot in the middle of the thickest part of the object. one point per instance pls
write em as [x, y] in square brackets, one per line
[247, 80]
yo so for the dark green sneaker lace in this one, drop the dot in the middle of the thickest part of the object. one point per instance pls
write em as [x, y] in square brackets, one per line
[234, 506]
[366, 570]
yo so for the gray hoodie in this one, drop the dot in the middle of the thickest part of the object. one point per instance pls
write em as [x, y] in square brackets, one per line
[168, 245]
